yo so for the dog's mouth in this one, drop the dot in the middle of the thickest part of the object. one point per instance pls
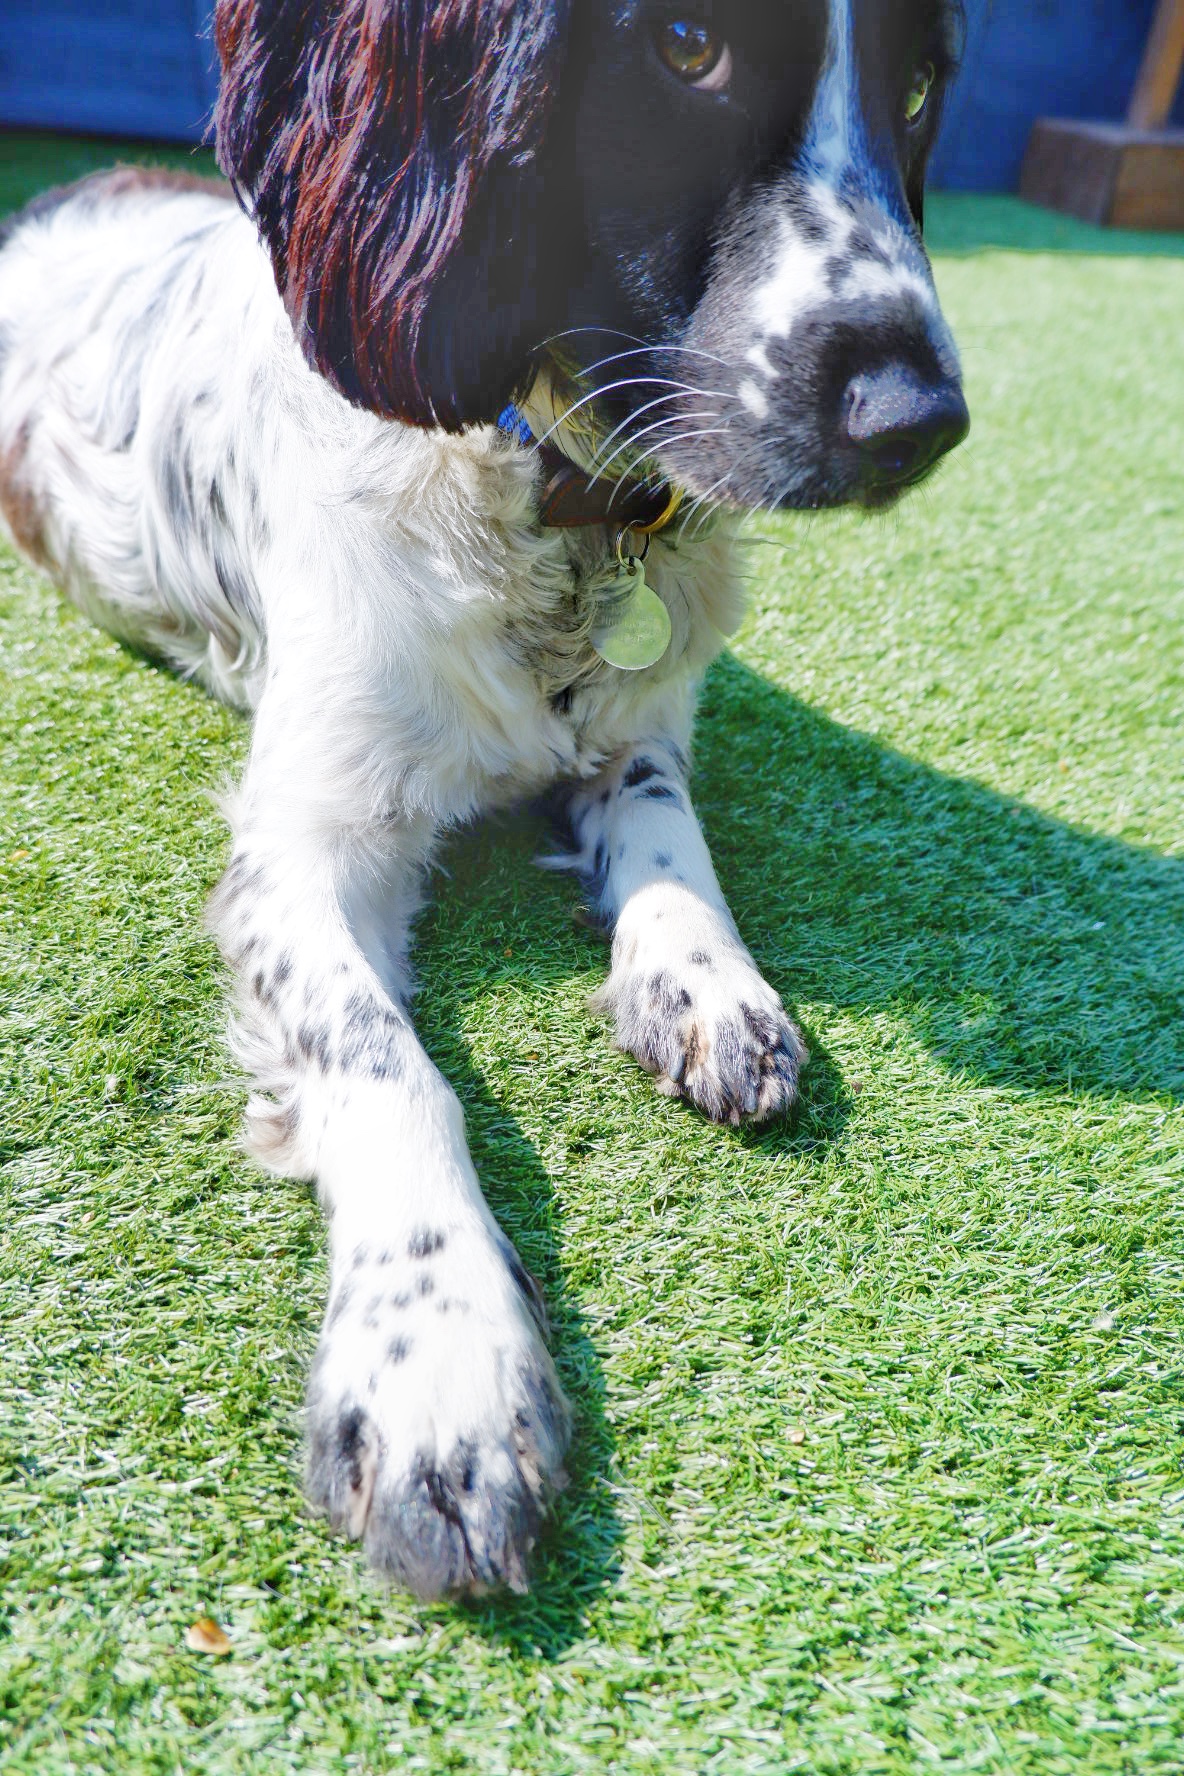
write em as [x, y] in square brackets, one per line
[881, 497]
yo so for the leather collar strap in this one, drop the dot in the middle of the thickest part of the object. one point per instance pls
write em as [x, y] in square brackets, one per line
[572, 500]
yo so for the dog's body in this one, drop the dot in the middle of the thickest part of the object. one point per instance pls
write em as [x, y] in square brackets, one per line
[418, 647]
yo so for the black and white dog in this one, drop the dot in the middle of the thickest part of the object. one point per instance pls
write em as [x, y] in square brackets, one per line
[527, 293]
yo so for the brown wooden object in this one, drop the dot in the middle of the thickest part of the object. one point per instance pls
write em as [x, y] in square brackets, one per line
[1159, 77]
[1124, 175]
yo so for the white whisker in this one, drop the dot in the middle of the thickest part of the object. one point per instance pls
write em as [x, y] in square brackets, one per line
[642, 345]
[635, 439]
[658, 401]
[702, 502]
[679, 438]
[608, 389]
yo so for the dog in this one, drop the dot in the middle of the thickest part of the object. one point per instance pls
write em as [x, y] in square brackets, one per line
[430, 453]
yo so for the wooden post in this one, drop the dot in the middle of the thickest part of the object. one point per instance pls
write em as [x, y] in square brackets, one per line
[1126, 175]
[1159, 77]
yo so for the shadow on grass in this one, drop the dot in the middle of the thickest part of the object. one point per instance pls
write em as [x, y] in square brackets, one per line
[1023, 952]
[578, 1556]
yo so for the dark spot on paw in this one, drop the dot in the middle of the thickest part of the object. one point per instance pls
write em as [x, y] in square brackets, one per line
[351, 1442]
[640, 771]
[398, 1350]
[425, 1284]
[361, 1256]
[424, 1241]
[700, 958]
[761, 1027]
[662, 860]
[666, 997]
[529, 1289]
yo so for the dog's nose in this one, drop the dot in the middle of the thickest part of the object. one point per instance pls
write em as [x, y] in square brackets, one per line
[900, 423]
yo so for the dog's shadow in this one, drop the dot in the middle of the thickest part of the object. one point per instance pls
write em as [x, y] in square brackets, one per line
[578, 1556]
[1023, 953]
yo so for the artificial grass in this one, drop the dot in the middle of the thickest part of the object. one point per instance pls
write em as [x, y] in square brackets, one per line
[880, 1417]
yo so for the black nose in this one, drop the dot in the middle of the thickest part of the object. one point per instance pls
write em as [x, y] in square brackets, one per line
[900, 423]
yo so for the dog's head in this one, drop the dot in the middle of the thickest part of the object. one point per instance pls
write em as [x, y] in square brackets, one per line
[711, 210]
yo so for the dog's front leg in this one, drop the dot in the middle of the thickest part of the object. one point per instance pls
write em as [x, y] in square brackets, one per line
[685, 995]
[436, 1424]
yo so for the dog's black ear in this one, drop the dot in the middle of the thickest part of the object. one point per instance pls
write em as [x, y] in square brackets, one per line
[389, 152]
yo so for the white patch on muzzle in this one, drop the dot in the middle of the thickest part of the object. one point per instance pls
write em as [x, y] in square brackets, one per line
[835, 163]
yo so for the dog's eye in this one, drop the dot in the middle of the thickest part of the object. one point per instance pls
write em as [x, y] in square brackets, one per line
[692, 50]
[914, 105]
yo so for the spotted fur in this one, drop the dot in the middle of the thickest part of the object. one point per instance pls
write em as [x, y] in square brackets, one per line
[259, 443]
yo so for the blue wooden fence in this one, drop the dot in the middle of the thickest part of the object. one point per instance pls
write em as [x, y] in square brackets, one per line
[145, 68]
[1031, 58]
[116, 67]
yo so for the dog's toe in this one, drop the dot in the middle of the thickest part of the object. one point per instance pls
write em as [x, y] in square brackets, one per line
[440, 1445]
[719, 1039]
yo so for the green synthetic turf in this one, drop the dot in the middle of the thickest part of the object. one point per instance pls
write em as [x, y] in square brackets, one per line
[880, 1418]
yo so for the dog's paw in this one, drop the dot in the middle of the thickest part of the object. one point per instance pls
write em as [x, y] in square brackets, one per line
[689, 1004]
[436, 1423]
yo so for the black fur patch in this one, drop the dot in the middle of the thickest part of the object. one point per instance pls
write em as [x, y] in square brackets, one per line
[351, 1442]
[640, 771]
[371, 1038]
[313, 1041]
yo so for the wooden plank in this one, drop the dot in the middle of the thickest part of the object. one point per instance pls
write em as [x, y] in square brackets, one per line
[1107, 173]
[1159, 77]
[1149, 189]
[1071, 167]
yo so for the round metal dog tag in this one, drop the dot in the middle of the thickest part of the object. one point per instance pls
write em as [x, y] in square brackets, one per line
[635, 632]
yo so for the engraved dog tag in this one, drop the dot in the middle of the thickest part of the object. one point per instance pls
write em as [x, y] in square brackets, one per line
[635, 632]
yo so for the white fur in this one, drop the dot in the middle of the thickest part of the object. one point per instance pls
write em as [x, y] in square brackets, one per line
[842, 194]
[386, 604]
